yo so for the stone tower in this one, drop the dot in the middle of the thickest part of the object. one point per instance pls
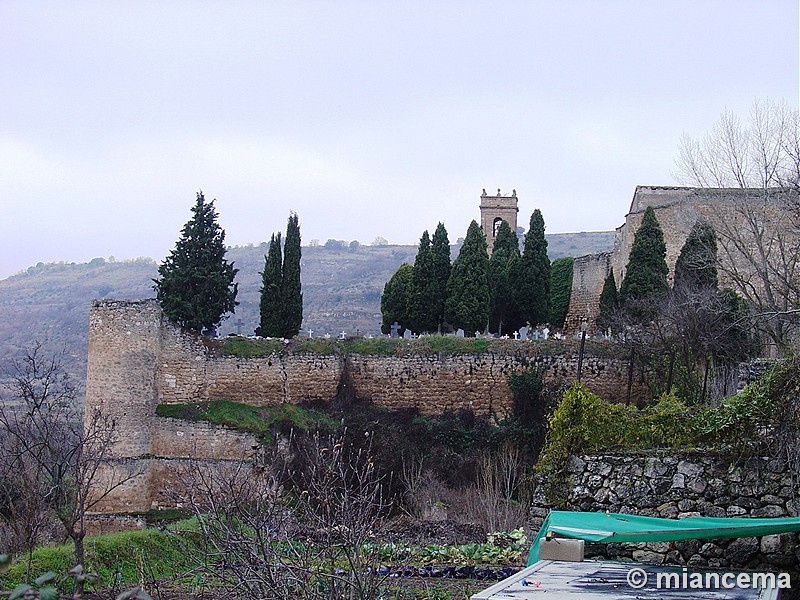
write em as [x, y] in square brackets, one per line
[495, 210]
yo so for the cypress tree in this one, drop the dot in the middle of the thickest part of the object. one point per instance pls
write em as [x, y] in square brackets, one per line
[504, 253]
[271, 305]
[291, 291]
[560, 290]
[196, 283]
[467, 304]
[696, 266]
[609, 303]
[422, 307]
[395, 299]
[645, 286]
[440, 248]
[531, 279]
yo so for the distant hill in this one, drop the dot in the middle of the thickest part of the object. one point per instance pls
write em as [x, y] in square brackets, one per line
[341, 292]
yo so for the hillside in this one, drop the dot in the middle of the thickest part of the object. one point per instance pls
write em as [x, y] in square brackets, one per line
[341, 292]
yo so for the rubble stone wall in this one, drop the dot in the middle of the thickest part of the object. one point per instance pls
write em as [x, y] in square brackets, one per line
[138, 360]
[680, 485]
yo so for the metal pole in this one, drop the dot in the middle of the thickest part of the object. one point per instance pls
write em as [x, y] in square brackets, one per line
[584, 327]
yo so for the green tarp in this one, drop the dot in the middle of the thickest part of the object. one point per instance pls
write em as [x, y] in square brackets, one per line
[616, 527]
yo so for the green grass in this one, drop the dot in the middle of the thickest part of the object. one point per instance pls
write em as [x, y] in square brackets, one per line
[122, 560]
[263, 420]
[118, 559]
[383, 346]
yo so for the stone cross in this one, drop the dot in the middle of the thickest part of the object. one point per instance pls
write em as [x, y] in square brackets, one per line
[516, 335]
[310, 333]
[395, 330]
[342, 335]
[239, 324]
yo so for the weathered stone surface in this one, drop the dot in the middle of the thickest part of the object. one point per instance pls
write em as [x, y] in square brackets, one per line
[647, 556]
[138, 360]
[740, 551]
[656, 491]
[677, 210]
[783, 543]
[769, 511]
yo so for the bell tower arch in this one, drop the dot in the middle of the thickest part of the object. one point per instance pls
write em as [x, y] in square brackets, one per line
[495, 210]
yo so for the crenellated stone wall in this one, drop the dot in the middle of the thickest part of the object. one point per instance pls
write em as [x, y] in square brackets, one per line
[691, 484]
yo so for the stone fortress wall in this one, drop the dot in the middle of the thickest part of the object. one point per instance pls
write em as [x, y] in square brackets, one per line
[138, 360]
[677, 210]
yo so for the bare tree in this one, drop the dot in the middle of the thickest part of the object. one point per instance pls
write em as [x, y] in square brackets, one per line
[759, 224]
[60, 447]
[273, 530]
[500, 494]
[23, 506]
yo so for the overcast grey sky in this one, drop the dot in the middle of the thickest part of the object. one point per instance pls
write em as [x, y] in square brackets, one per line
[365, 117]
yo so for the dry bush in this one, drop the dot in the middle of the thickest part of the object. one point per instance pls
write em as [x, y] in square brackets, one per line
[271, 531]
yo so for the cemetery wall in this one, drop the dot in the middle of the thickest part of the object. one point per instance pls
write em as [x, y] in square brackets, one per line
[690, 484]
[138, 360]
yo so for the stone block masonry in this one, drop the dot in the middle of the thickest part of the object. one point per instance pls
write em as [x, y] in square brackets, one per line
[138, 360]
[677, 210]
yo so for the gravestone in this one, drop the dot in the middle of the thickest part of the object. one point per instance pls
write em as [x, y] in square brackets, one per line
[395, 330]
[460, 333]
[239, 324]
[407, 334]
[523, 333]
[516, 335]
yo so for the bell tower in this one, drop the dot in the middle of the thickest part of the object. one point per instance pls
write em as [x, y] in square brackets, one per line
[495, 210]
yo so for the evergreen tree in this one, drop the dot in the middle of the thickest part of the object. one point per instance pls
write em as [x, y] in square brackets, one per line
[395, 299]
[644, 286]
[609, 303]
[291, 291]
[560, 290]
[467, 305]
[440, 248]
[504, 254]
[696, 266]
[271, 305]
[422, 306]
[531, 279]
[196, 283]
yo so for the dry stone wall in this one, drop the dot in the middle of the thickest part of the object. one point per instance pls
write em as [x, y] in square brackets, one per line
[694, 484]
